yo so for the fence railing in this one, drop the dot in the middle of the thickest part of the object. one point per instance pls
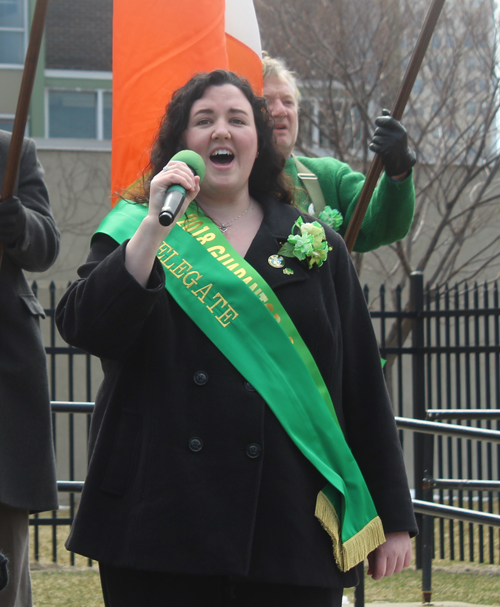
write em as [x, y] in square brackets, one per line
[443, 351]
[429, 509]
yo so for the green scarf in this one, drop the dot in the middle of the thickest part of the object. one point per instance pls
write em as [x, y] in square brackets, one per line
[233, 305]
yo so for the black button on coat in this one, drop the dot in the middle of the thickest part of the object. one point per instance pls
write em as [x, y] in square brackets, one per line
[200, 378]
[195, 444]
[253, 450]
[244, 503]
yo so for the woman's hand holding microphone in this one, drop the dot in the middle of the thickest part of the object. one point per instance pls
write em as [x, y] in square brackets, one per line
[171, 191]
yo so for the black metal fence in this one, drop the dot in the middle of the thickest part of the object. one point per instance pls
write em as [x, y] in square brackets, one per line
[449, 361]
[442, 351]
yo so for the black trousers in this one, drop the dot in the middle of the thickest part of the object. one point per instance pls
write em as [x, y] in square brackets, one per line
[131, 587]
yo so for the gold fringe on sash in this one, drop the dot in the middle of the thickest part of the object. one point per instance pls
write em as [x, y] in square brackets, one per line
[356, 548]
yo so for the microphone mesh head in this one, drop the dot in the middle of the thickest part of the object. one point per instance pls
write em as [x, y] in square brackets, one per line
[193, 160]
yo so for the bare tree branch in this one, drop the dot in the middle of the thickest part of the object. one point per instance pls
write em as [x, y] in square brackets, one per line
[350, 56]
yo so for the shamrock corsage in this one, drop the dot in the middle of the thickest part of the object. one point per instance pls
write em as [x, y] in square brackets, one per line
[308, 243]
[332, 217]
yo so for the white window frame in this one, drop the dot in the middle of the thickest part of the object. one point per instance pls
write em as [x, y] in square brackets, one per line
[24, 31]
[99, 108]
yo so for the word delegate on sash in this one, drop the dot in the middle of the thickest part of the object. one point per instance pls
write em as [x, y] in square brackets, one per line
[193, 278]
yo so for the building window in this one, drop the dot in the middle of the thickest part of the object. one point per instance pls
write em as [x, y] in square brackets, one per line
[6, 122]
[107, 102]
[12, 31]
[79, 114]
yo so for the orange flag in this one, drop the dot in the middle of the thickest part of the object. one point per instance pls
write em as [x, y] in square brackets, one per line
[158, 45]
[243, 42]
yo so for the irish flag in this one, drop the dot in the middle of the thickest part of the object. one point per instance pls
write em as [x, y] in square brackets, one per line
[157, 46]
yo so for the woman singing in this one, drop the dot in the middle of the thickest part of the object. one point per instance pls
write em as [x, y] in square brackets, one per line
[243, 449]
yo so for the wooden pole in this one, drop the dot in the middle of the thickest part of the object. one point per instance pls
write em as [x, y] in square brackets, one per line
[23, 103]
[397, 112]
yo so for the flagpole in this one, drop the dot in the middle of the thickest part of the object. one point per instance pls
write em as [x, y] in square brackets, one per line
[23, 103]
[397, 112]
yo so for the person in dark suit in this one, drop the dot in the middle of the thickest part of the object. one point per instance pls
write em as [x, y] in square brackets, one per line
[27, 468]
[216, 454]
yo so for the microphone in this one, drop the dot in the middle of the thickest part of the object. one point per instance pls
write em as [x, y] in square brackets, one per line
[176, 194]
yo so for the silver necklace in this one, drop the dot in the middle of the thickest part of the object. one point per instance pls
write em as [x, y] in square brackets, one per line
[223, 227]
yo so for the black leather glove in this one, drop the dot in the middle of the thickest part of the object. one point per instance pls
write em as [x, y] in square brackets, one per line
[390, 140]
[12, 220]
[4, 576]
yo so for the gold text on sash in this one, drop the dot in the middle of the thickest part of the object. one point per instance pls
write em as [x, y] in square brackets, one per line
[216, 303]
[194, 226]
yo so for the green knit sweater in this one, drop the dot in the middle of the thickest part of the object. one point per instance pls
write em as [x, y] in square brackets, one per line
[389, 214]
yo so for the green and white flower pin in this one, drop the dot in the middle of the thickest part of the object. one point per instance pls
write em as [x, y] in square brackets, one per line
[307, 244]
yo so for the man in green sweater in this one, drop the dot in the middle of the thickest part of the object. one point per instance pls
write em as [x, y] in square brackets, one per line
[331, 184]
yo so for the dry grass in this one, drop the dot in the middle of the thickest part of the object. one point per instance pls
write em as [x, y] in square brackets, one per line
[62, 587]
[474, 584]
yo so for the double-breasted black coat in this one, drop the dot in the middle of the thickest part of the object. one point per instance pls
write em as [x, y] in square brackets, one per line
[27, 465]
[189, 469]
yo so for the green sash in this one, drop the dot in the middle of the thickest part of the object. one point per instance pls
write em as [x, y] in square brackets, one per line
[233, 305]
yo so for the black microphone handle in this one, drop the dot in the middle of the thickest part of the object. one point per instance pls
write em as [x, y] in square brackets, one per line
[171, 207]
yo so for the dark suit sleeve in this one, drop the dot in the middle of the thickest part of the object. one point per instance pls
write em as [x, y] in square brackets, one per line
[104, 312]
[370, 427]
[38, 248]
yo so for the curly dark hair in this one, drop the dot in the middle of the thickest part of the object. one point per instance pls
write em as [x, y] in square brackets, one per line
[267, 175]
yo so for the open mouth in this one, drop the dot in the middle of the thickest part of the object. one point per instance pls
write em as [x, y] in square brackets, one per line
[222, 157]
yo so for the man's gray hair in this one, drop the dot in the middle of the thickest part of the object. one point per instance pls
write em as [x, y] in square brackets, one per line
[277, 68]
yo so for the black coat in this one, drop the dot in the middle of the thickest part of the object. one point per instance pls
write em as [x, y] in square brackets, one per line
[27, 466]
[190, 470]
